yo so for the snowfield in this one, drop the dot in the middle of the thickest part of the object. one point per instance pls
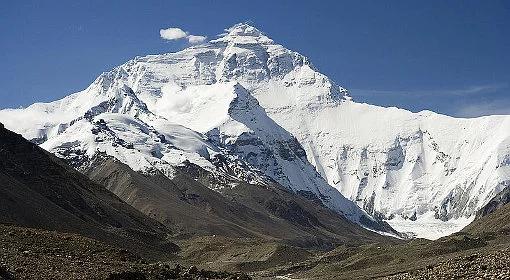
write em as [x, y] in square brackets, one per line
[274, 117]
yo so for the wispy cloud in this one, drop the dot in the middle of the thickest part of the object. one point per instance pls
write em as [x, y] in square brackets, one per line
[496, 107]
[469, 91]
[175, 33]
[473, 101]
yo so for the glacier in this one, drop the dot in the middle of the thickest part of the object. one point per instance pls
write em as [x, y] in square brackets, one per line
[245, 107]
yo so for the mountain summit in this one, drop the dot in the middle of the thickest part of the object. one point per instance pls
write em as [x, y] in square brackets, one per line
[243, 32]
[245, 108]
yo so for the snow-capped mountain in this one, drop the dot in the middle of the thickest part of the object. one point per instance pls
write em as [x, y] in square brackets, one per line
[244, 107]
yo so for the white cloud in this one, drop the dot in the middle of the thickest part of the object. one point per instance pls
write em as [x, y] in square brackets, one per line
[172, 33]
[196, 39]
[175, 33]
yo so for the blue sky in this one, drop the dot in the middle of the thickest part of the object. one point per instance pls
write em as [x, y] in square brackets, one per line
[452, 57]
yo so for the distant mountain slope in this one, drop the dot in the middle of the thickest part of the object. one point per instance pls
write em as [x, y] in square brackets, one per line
[39, 190]
[242, 106]
[186, 204]
[425, 173]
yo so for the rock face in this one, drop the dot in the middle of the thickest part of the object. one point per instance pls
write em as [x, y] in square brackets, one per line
[499, 201]
[493, 218]
[242, 106]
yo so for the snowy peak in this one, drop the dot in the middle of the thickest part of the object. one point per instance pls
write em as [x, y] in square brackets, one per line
[197, 106]
[243, 33]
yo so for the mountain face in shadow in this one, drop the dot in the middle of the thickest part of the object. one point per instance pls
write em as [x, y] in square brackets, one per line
[188, 206]
[39, 190]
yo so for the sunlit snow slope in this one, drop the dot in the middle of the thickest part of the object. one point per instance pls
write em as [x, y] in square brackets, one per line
[270, 115]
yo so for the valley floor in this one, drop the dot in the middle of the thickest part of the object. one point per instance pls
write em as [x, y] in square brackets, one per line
[460, 256]
[39, 254]
[492, 265]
